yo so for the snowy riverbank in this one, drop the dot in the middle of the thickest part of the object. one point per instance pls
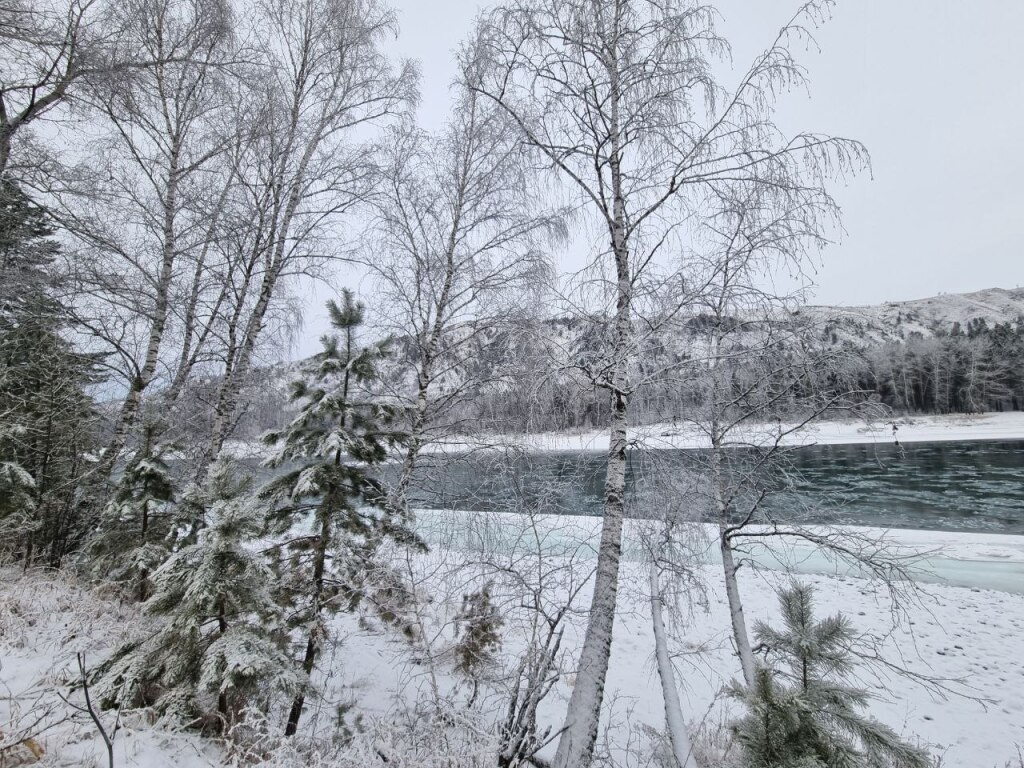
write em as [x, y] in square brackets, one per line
[961, 636]
[909, 429]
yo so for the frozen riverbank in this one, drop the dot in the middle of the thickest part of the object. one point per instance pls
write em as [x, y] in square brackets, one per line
[909, 429]
[969, 560]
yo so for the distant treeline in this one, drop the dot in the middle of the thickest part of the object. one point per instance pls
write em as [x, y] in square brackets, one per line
[963, 370]
[958, 370]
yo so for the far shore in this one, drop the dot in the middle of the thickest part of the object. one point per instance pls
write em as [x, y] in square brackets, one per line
[958, 427]
[908, 429]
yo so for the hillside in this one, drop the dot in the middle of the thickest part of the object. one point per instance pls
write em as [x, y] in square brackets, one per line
[532, 365]
[897, 320]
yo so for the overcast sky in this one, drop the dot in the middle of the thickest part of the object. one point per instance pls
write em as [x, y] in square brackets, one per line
[934, 88]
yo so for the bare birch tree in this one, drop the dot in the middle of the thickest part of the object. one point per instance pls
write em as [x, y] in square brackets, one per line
[50, 50]
[150, 213]
[751, 377]
[45, 48]
[322, 78]
[146, 80]
[457, 247]
[759, 388]
[618, 98]
[675, 720]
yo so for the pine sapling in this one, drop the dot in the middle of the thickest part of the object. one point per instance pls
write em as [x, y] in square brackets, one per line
[221, 648]
[135, 529]
[330, 511]
[479, 636]
[801, 712]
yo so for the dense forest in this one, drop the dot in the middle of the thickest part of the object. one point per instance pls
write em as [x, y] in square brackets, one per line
[960, 370]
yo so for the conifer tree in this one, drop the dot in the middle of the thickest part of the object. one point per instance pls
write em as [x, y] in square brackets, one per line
[801, 712]
[479, 640]
[47, 421]
[27, 250]
[331, 510]
[17, 487]
[222, 646]
[136, 528]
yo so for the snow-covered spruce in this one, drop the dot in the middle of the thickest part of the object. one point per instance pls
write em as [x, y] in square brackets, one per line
[222, 646]
[329, 513]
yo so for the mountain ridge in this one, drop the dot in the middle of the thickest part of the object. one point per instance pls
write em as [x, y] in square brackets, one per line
[897, 320]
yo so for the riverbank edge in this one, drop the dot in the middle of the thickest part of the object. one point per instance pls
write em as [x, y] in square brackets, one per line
[902, 429]
[573, 532]
[981, 427]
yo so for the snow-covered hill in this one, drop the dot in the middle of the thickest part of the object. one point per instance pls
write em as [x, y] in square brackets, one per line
[492, 353]
[535, 352]
[896, 320]
[542, 345]
[573, 339]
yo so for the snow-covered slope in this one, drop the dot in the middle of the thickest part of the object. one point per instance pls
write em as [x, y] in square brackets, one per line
[551, 351]
[895, 320]
[572, 340]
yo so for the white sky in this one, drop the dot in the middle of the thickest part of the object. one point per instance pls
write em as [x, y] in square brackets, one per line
[934, 88]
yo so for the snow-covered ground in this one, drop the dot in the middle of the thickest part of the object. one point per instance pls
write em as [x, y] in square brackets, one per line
[952, 633]
[45, 619]
[909, 429]
[966, 637]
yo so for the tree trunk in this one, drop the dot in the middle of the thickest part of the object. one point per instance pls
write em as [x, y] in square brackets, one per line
[729, 565]
[313, 641]
[234, 376]
[158, 321]
[222, 697]
[674, 721]
[5, 148]
[576, 745]
[227, 397]
[739, 624]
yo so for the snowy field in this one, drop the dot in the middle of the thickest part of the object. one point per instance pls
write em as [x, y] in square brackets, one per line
[966, 638]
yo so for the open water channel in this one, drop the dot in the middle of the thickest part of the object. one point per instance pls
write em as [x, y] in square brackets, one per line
[973, 486]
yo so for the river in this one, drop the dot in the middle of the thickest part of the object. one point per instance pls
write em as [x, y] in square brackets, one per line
[944, 486]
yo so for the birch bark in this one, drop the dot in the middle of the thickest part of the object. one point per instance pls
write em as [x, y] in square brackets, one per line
[679, 737]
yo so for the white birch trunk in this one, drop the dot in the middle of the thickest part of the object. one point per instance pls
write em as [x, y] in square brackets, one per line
[741, 637]
[158, 320]
[576, 745]
[730, 567]
[675, 723]
[736, 617]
